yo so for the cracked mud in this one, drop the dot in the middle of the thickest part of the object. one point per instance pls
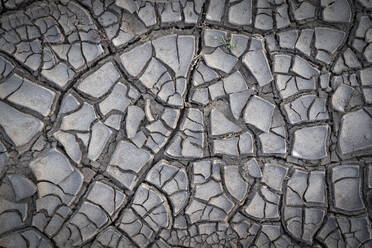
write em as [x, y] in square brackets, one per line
[189, 123]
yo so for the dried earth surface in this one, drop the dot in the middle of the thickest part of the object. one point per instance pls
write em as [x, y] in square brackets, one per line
[189, 123]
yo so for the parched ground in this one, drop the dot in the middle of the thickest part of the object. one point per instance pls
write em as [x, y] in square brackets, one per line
[190, 123]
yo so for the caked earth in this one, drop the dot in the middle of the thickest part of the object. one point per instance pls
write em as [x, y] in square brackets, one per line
[186, 123]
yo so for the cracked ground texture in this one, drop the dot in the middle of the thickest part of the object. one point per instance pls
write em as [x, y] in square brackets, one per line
[190, 123]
